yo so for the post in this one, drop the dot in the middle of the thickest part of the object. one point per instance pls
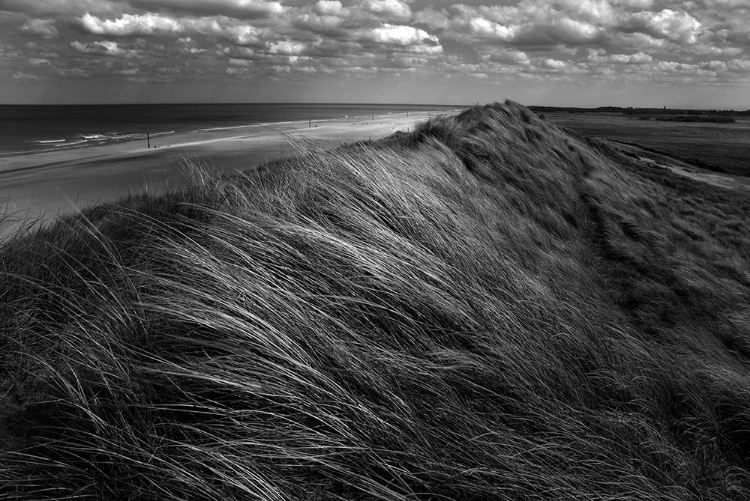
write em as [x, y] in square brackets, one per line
[148, 138]
[309, 123]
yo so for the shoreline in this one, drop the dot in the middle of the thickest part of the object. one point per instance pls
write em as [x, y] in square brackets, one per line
[14, 161]
[40, 186]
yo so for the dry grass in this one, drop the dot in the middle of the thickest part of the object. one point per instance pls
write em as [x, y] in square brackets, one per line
[485, 308]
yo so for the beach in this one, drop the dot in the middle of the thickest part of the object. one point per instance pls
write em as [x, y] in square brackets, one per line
[43, 185]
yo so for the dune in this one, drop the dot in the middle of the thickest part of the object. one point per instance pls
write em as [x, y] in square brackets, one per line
[486, 307]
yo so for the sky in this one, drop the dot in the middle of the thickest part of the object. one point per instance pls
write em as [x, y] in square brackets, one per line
[654, 53]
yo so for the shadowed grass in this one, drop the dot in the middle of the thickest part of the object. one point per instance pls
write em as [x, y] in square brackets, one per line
[485, 308]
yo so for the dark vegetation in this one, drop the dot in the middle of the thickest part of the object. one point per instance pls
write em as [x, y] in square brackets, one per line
[709, 142]
[486, 308]
[641, 111]
[697, 118]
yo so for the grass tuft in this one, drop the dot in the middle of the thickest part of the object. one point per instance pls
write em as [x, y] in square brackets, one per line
[485, 308]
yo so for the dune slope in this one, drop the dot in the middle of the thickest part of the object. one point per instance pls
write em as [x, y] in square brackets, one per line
[486, 308]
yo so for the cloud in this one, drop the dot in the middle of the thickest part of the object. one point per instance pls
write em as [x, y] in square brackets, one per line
[240, 35]
[636, 4]
[509, 57]
[19, 75]
[554, 64]
[44, 28]
[673, 25]
[513, 39]
[36, 61]
[525, 24]
[239, 62]
[742, 65]
[36, 8]
[149, 24]
[238, 9]
[331, 8]
[104, 48]
[286, 48]
[727, 4]
[404, 36]
[490, 29]
[74, 72]
[637, 58]
[132, 25]
[236, 52]
[392, 10]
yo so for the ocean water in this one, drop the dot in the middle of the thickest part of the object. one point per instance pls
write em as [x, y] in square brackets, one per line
[32, 128]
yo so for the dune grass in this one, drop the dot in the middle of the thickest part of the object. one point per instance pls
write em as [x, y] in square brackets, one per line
[486, 308]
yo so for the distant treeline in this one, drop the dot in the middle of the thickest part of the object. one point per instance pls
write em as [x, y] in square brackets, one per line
[640, 111]
[719, 119]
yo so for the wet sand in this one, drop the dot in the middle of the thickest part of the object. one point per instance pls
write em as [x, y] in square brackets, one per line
[42, 185]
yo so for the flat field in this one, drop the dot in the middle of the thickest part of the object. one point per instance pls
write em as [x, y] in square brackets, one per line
[721, 147]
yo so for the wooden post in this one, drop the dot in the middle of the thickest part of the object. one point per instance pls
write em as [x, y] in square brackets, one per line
[148, 138]
[309, 123]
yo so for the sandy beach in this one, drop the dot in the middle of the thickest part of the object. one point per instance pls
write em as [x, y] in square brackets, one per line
[43, 185]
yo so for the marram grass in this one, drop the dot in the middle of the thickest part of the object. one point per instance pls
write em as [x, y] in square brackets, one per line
[486, 308]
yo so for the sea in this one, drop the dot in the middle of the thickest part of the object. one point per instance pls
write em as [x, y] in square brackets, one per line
[35, 128]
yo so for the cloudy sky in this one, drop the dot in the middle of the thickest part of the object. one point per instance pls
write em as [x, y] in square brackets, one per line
[564, 52]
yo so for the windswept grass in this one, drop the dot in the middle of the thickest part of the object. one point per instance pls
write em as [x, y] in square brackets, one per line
[486, 308]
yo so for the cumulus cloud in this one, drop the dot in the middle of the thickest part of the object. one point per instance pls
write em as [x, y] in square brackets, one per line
[637, 58]
[20, 75]
[239, 9]
[607, 39]
[415, 39]
[133, 25]
[130, 25]
[236, 52]
[37, 61]
[636, 4]
[104, 48]
[238, 62]
[554, 64]
[394, 10]
[509, 57]
[673, 25]
[739, 65]
[38, 8]
[727, 4]
[286, 48]
[44, 28]
[330, 8]
[490, 29]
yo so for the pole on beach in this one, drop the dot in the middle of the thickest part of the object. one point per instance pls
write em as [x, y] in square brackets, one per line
[309, 123]
[148, 138]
